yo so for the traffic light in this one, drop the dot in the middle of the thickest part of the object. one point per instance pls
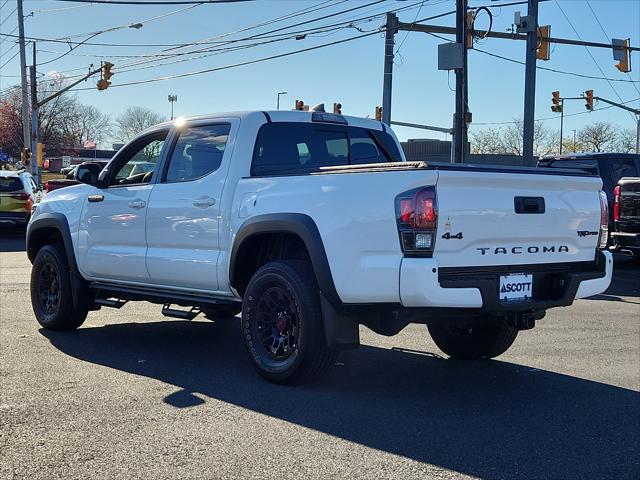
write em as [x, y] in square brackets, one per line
[25, 156]
[588, 98]
[379, 114]
[470, 20]
[105, 76]
[622, 53]
[556, 102]
[337, 108]
[40, 154]
[543, 52]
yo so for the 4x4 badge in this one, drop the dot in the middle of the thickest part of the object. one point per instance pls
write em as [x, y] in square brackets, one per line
[448, 236]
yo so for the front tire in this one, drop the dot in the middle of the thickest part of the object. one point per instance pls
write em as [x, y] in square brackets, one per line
[282, 323]
[51, 297]
[484, 340]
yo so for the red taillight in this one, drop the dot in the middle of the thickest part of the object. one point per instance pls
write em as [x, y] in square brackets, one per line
[616, 205]
[417, 216]
[20, 196]
[603, 238]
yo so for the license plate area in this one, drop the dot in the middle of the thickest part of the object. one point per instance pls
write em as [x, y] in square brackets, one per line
[515, 287]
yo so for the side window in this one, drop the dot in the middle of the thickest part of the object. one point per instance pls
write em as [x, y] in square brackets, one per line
[138, 162]
[197, 152]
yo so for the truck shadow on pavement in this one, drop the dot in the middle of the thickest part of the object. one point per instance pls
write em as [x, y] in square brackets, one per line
[625, 282]
[489, 419]
[12, 239]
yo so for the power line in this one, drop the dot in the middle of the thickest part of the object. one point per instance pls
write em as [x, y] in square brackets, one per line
[554, 70]
[256, 36]
[154, 2]
[607, 37]
[8, 16]
[555, 118]
[589, 52]
[260, 60]
[66, 40]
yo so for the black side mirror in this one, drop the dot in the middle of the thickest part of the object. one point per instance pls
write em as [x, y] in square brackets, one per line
[88, 173]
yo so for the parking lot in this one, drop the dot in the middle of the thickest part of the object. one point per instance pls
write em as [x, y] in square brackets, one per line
[134, 395]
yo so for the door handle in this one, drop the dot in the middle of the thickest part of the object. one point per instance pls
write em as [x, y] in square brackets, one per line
[137, 204]
[95, 198]
[204, 202]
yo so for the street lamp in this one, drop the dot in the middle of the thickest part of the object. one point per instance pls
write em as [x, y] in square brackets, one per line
[172, 98]
[278, 102]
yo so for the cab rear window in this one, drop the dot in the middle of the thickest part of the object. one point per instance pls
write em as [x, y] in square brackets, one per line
[284, 148]
[10, 184]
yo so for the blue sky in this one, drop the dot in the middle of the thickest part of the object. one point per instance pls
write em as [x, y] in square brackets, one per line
[350, 73]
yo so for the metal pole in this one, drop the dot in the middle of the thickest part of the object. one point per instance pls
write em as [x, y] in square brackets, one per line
[562, 123]
[574, 140]
[23, 77]
[34, 119]
[171, 109]
[278, 101]
[389, 40]
[459, 118]
[638, 135]
[530, 83]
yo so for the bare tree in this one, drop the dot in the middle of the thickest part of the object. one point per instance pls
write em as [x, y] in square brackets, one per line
[545, 141]
[134, 120]
[488, 141]
[626, 141]
[86, 123]
[598, 137]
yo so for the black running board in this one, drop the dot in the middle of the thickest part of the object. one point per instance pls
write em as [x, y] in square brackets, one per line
[167, 311]
[112, 295]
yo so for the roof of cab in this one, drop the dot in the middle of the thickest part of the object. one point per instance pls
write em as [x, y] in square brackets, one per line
[280, 116]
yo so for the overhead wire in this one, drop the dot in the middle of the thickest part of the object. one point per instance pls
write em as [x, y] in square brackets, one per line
[589, 52]
[607, 37]
[543, 119]
[315, 31]
[260, 60]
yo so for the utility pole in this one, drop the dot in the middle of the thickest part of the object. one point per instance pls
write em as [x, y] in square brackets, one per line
[34, 119]
[459, 120]
[562, 123]
[23, 77]
[530, 82]
[389, 41]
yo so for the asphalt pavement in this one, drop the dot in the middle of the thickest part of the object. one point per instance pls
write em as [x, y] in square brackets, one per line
[134, 395]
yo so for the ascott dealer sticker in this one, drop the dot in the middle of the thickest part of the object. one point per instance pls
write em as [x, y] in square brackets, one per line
[517, 286]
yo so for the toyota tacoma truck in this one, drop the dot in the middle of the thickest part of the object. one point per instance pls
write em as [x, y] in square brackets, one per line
[312, 224]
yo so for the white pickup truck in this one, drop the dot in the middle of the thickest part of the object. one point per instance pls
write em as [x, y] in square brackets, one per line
[312, 224]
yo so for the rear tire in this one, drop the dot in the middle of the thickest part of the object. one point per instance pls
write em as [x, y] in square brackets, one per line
[484, 340]
[282, 323]
[51, 297]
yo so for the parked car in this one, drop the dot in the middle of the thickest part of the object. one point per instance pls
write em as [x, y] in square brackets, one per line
[18, 193]
[626, 217]
[312, 224]
[55, 184]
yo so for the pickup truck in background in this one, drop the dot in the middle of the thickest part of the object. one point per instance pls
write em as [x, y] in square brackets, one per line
[312, 224]
[610, 167]
[626, 217]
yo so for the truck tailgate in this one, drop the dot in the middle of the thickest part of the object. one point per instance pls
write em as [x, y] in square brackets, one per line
[489, 218]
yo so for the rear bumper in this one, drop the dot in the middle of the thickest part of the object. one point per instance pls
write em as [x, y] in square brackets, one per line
[424, 284]
[626, 242]
[14, 218]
